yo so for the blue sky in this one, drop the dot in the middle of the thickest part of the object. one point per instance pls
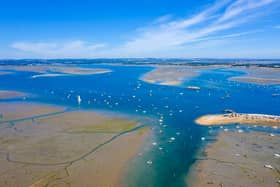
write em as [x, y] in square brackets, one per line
[146, 28]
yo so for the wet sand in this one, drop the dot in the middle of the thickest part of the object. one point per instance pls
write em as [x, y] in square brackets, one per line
[65, 148]
[17, 110]
[171, 76]
[238, 160]
[29, 68]
[250, 119]
[175, 75]
[4, 73]
[258, 75]
[79, 71]
[54, 70]
[8, 94]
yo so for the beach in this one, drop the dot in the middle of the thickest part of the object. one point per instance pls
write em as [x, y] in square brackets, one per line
[48, 145]
[241, 118]
[238, 160]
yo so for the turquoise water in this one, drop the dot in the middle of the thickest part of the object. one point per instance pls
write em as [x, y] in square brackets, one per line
[122, 91]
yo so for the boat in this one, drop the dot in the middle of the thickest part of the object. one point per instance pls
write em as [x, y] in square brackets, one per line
[193, 87]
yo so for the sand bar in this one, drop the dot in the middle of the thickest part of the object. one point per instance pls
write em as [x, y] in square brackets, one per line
[258, 75]
[46, 145]
[45, 70]
[238, 160]
[171, 76]
[4, 73]
[250, 119]
[8, 94]
[175, 75]
[18, 110]
[79, 71]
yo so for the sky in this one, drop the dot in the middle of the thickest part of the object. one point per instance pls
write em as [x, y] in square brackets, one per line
[139, 29]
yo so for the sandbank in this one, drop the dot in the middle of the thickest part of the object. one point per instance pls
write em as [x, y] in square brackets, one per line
[172, 76]
[46, 145]
[51, 70]
[27, 68]
[79, 71]
[175, 75]
[18, 110]
[4, 73]
[238, 160]
[8, 94]
[258, 75]
[250, 119]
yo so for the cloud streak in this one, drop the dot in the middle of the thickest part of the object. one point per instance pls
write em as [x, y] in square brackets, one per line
[171, 36]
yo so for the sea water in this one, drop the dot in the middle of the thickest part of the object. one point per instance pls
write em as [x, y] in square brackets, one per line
[172, 147]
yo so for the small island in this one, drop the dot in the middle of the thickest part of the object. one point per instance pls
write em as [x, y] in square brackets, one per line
[54, 70]
[170, 75]
[242, 118]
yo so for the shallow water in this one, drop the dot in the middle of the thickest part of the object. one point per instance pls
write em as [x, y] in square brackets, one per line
[122, 91]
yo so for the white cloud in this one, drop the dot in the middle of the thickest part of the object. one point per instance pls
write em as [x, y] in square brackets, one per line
[72, 49]
[166, 35]
[241, 7]
[171, 36]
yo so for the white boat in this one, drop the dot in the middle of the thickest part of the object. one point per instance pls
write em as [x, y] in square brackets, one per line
[79, 99]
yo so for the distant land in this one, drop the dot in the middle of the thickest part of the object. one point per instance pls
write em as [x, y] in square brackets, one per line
[148, 61]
